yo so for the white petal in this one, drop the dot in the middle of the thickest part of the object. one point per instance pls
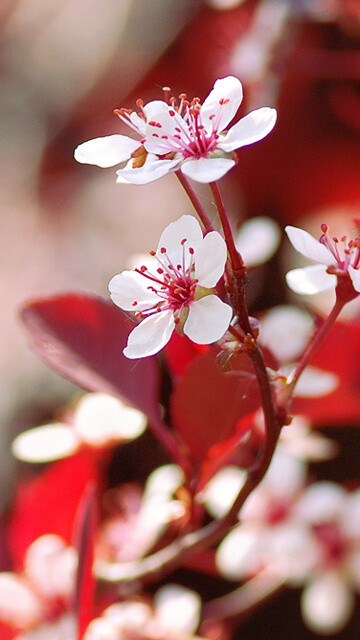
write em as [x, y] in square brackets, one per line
[311, 248]
[208, 320]
[160, 135]
[150, 171]
[327, 604]
[310, 280]
[284, 466]
[351, 516]
[355, 278]
[207, 169]
[228, 88]
[107, 151]
[286, 331]
[45, 443]
[128, 287]
[177, 609]
[185, 228]
[19, 605]
[321, 502]
[240, 554]
[210, 259]
[151, 335]
[220, 493]
[253, 127]
[100, 418]
[313, 382]
[257, 240]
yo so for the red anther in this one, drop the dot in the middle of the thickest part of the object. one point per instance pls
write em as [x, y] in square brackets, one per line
[343, 239]
[138, 314]
[172, 101]
[335, 239]
[117, 112]
[152, 252]
[182, 96]
[139, 103]
[164, 137]
[143, 268]
[324, 228]
[186, 103]
[134, 303]
[183, 241]
[159, 270]
[191, 250]
[172, 113]
[176, 320]
[163, 250]
[223, 101]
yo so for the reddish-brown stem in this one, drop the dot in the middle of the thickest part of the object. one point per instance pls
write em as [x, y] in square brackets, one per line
[237, 263]
[194, 201]
[313, 345]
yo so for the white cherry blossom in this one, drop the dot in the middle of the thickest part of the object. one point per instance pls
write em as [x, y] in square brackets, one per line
[336, 258]
[185, 135]
[179, 291]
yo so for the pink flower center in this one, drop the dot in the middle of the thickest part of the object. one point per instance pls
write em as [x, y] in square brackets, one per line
[334, 544]
[347, 256]
[189, 137]
[174, 285]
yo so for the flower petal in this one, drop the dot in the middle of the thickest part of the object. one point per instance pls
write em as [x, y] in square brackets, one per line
[310, 280]
[177, 609]
[222, 102]
[257, 240]
[327, 603]
[165, 132]
[151, 335]
[321, 502]
[355, 278]
[286, 331]
[207, 169]
[210, 260]
[313, 382]
[129, 287]
[45, 443]
[253, 127]
[208, 320]
[150, 171]
[311, 248]
[107, 151]
[185, 228]
[100, 419]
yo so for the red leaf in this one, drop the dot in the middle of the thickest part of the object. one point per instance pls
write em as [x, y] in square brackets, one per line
[83, 337]
[49, 503]
[181, 351]
[207, 404]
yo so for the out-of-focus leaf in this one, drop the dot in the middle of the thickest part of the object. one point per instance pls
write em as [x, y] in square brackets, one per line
[181, 351]
[208, 404]
[49, 503]
[83, 337]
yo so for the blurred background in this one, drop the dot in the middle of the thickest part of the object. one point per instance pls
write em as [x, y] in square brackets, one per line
[66, 64]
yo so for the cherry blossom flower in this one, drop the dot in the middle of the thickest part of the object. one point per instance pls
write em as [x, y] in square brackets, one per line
[178, 292]
[187, 136]
[337, 258]
[174, 615]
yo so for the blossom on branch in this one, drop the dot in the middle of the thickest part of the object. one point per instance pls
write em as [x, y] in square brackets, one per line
[334, 262]
[187, 135]
[179, 291]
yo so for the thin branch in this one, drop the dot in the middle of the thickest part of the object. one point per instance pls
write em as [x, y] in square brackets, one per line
[194, 201]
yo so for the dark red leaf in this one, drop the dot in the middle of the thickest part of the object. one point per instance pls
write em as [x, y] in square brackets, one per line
[208, 404]
[83, 337]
